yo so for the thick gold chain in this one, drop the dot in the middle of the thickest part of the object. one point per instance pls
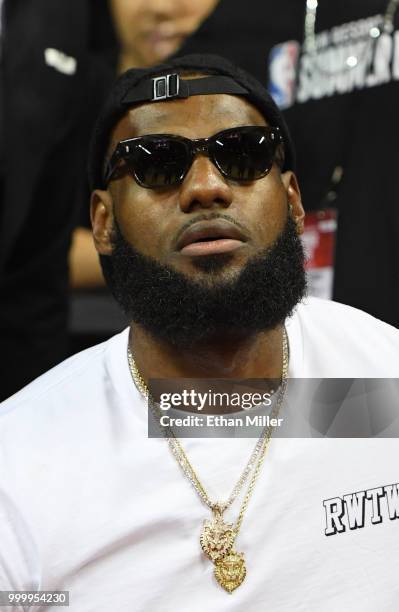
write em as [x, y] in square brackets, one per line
[257, 456]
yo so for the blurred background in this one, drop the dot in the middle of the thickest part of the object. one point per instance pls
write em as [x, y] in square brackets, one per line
[332, 67]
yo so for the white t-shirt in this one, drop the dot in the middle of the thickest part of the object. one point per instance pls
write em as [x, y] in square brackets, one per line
[91, 505]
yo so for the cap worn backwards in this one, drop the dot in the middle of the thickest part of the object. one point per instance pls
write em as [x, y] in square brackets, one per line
[162, 82]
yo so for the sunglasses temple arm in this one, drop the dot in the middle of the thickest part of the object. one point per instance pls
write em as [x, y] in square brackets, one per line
[110, 166]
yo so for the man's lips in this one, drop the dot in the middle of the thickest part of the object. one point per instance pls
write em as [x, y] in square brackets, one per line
[210, 237]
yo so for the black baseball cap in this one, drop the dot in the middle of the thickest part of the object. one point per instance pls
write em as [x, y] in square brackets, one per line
[163, 82]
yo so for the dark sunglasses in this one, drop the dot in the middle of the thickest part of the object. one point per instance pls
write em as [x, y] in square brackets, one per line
[163, 160]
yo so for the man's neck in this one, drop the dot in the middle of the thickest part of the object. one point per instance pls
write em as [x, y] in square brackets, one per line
[229, 356]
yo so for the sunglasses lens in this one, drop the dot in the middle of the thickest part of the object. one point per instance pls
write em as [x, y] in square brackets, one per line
[159, 161]
[245, 154]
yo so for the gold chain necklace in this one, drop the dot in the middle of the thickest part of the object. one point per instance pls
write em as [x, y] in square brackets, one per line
[218, 537]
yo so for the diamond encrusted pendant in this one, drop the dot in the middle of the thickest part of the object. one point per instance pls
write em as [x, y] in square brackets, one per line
[230, 571]
[217, 537]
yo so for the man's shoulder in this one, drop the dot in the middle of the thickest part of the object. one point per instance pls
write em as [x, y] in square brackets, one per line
[342, 341]
[342, 316]
[71, 382]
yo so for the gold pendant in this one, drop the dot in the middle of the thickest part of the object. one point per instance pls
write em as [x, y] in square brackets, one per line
[217, 537]
[230, 571]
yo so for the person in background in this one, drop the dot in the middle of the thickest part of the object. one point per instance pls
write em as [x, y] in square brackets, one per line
[142, 33]
[43, 99]
[151, 30]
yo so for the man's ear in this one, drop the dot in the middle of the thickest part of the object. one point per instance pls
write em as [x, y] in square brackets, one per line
[294, 199]
[102, 220]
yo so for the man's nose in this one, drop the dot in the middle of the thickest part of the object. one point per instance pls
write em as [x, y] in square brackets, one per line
[204, 187]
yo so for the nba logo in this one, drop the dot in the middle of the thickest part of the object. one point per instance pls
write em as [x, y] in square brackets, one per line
[283, 62]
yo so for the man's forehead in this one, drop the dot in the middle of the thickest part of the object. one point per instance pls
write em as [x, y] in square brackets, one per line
[207, 112]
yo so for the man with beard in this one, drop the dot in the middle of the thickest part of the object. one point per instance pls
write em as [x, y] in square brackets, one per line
[196, 214]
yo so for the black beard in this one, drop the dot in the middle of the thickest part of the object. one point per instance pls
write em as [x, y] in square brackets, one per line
[183, 312]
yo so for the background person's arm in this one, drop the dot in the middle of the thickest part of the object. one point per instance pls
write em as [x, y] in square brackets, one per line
[84, 265]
